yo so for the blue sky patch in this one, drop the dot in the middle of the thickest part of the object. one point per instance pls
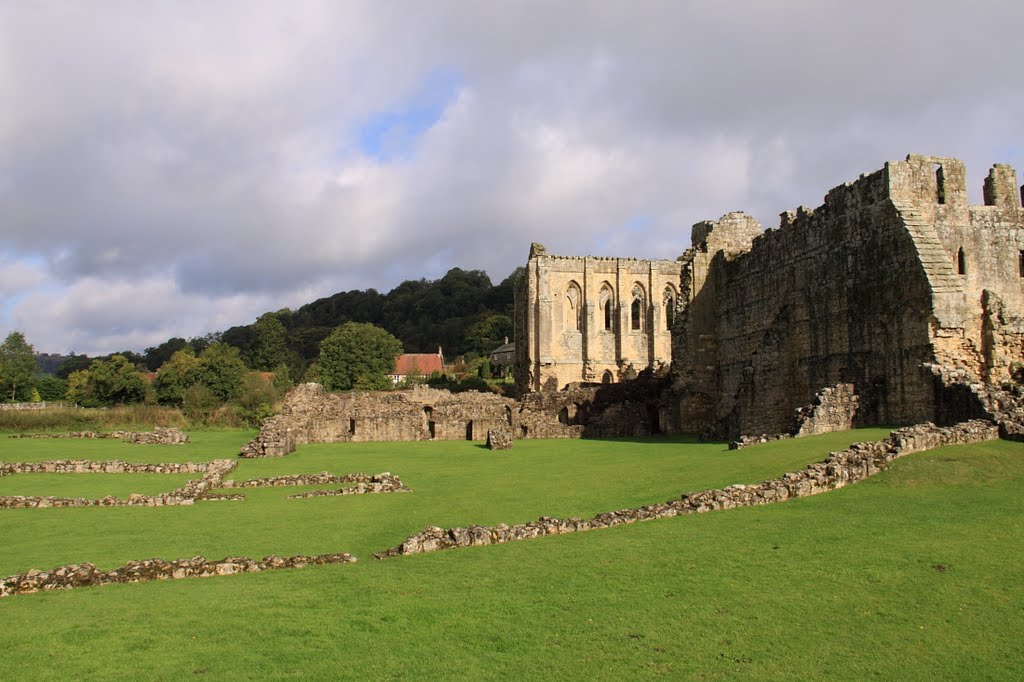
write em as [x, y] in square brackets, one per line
[392, 134]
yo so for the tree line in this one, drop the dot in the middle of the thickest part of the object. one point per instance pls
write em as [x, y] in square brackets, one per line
[349, 340]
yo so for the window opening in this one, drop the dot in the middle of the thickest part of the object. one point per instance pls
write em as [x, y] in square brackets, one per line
[605, 300]
[940, 185]
[1020, 263]
[637, 309]
[573, 300]
[961, 264]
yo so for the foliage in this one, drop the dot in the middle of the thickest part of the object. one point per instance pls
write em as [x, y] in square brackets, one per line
[489, 333]
[176, 375]
[17, 366]
[220, 369]
[257, 400]
[199, 403]
[268, 348]
[130, 417]
[358, 355]
[51, 388]
[107, 382]
[156, 357]
[73, 363]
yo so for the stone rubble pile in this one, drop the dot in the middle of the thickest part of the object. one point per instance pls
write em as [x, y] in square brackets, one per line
[196, 489]
[841, 468]
[158, 436]
[86, 574]
[380, 483]
[499, 439]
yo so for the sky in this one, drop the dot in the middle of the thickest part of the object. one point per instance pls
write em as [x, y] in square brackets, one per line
[171, 169]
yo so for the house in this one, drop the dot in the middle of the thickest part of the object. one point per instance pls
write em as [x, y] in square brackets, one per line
[417, 365]
[503, 359]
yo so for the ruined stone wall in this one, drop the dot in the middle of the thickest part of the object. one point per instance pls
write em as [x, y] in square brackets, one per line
[842, 468]
[311, 415]
[591, 319]
[864, 290]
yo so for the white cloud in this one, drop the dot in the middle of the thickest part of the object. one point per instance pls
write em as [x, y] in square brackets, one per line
[174, 168]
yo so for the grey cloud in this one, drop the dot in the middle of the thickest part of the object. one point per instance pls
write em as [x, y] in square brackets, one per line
[213, 147]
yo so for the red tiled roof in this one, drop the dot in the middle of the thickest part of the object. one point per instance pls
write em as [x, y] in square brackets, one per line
[418, 364]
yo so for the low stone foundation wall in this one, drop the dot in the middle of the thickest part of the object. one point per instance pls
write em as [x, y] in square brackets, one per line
[158, 436]
[322, 478]
[382, 483]
[114, 466]
[87, 575]
[841, 468]
[193, 490]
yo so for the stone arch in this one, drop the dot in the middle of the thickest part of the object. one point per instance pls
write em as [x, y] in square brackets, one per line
[638, 308]
[606, 299]
[573, 307]
[669, 300]
[608, 377]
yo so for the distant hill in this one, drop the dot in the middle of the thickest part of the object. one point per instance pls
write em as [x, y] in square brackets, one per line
[463, 312]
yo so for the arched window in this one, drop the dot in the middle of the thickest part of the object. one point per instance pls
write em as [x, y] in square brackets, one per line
[607, 378]
[961, 264]
[573, 305]
[606, 299]
[638, 308]
[670, 307]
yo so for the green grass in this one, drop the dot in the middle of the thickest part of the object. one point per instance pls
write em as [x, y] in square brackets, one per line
[203, 446]
[92, 486]
[914, 574]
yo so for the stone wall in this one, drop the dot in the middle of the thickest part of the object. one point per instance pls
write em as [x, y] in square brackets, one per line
[851, 465]
[311, 415]
[197, 489]
[893, 272]
[592, 319]
[158, 436]
[87, 575]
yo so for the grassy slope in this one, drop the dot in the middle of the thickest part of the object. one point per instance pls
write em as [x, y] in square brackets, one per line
[916, 573]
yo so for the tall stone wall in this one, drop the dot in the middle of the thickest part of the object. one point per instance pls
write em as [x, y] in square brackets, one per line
[893, 272]
[592, 319]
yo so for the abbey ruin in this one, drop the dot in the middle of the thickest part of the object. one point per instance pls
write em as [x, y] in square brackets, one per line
[894, 302]
[879, 307]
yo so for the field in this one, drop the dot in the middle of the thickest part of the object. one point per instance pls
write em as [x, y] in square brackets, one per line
[916, 573]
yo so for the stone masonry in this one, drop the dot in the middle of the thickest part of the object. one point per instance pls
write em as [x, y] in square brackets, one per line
[894, 275]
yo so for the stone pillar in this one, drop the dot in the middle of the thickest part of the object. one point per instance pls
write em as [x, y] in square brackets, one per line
[1001, 187]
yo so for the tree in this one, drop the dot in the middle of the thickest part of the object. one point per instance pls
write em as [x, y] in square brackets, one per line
[51, 388]
[107, 382]
[269, 348]
[358, 355]
[220, 369]
[489, 333]
[157, 356]
[17, 366]
[175, 376]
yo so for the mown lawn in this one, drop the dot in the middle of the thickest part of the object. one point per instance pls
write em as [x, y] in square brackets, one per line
[914, 574]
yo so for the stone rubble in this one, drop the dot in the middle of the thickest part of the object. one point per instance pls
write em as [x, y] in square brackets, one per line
[842, 468]
[87, 575]
[380, 483]
[196, 489]
[158, 436]
[499, 439]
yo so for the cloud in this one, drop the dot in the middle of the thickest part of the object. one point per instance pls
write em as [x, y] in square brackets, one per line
[174, 168]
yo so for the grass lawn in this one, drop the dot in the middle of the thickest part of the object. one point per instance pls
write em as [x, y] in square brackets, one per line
[916, 573]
